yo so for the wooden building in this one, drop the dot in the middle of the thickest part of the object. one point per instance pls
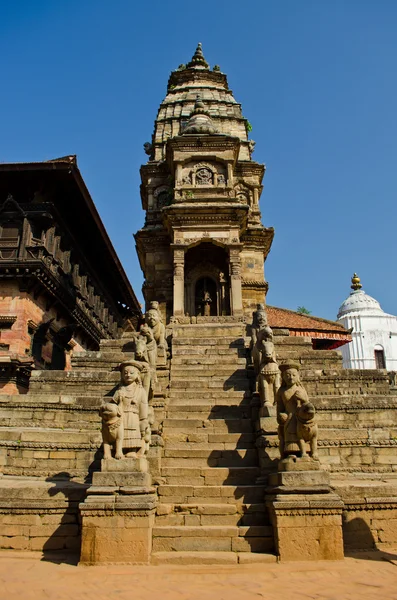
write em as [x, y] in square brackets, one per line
[62, 285]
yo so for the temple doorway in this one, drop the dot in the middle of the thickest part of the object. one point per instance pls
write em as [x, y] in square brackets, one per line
[207, 284]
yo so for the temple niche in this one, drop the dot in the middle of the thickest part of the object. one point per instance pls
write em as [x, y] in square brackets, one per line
[207, 282]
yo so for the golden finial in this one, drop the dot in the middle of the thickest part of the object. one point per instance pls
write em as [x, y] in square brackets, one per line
[356, 285]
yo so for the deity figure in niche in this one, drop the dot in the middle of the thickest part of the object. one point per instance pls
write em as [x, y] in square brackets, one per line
[204, 176]
[295, 415]
[132, 400]
[206, 302]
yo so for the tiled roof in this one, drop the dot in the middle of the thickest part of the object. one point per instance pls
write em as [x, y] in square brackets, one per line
[289, 319]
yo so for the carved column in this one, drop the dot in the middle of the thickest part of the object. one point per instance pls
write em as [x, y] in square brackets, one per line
[235, 277]
[179, 276]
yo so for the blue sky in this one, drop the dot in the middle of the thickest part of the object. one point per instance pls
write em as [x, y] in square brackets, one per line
[316, 78]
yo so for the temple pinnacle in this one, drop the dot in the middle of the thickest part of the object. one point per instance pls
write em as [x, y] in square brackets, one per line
[356, 285]
[198, 61]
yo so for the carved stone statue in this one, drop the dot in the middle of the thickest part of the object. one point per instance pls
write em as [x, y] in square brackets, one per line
[148, 148]
[132, 401]
[112, 430]
[260, 333]
[153, 319]
[269, 375]
[295, 414]
[307, 429]
[151, 346]
[148, 372]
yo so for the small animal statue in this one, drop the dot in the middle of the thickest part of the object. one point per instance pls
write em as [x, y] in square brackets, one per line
[112, 430]
[307, 429]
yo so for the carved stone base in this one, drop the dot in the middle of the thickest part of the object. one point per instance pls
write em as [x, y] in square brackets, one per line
[306, 515]
[118, 514]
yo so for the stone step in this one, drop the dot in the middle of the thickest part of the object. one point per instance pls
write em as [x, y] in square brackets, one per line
[179, 519]
[203, 341]
[211, 458]
[242, 400]
[220, 359]
[209, 397]
[211, 329]
[237, 384]
[208, 351]
[214, 494]
[210, 476]
[214, 370]
[211, 558]
[55, 436]
[207, 439]
[213, 425]
[201, 411]
[212, 538]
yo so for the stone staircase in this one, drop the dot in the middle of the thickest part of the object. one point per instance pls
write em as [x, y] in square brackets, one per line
[210, 509]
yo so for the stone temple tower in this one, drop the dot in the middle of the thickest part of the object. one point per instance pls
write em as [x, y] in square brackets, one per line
[202, 248]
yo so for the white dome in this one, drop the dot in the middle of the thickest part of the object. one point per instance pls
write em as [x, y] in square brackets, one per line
[359, 301]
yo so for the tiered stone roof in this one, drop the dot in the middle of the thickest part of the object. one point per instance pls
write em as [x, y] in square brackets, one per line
[185, 85]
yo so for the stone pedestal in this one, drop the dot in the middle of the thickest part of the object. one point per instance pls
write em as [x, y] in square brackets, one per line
[306, 515]
[118, 514]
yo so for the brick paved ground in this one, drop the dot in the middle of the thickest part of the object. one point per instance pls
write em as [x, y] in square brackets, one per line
[366, 578]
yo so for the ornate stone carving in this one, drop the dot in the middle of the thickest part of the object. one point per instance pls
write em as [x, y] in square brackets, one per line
[221, 179]
[204, 176]
[178, 271]
[242, 193]
[131, 405]
[148, 148]
[179, 265]
[295, 415]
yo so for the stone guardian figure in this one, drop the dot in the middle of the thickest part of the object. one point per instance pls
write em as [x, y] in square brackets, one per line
[131, 398]
[260, 333]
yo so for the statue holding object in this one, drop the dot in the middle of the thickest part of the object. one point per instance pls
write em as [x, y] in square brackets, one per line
[127, 425]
